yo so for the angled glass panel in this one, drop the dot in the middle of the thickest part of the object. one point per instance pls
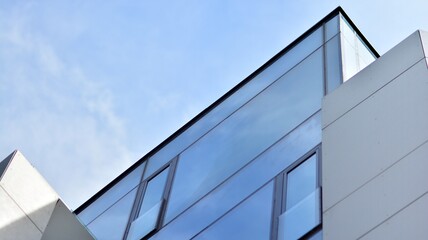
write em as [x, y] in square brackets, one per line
[146, 223]
[301, 182]
[236, 100]
[154, 191]
[257, 125]
[148, 216]
[250, 220]
[301, 218]
[332, 28]
[333, 64]
[112, 223]
[246, 181]
[365, 56]
[112, 195]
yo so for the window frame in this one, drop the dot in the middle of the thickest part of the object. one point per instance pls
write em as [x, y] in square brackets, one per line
[280, 190]
[172, 164]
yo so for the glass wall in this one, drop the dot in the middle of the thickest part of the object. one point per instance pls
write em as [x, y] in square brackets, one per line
[355, 54]
[256, 148]
[249, 220]
[111, 196]
[235, 101]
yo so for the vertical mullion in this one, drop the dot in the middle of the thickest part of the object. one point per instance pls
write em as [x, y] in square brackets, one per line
[167, 190]
[277, 206]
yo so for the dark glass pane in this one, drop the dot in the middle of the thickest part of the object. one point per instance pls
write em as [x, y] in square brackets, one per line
[112, 223]
[250, 220]
[315, 236]
[239, 98]
[256, 126]
[112, 195]
[301, 182]
[241, 185]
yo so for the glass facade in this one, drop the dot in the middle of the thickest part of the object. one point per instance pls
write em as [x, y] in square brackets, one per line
[254, 155]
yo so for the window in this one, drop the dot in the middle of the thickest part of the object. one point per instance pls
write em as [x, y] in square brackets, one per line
[300, 210]
[150, 208]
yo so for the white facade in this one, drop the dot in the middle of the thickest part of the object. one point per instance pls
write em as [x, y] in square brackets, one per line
[29, 208]
[375, 134]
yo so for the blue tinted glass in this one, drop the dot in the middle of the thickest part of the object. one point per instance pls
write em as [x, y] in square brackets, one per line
[256, 126]
[228, 106]
[245, 182]
[145, 223]
[301, 218]
[250, 220]
[112, 223]
[301, 182]
[112, 195]
[331, 28]
[154, 191]
[333, 64]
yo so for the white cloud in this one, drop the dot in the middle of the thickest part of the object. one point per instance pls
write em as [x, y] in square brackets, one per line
[63, 122]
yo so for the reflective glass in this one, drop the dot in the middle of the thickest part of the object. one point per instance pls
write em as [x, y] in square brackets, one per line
[256, 126]
[301, 218]
[301, 181]
[112, 223]
[236, 100]
[365, 55]
[246, 181]
[333, 64]
[250, 220]
[331, 28]
[154, 191]
[146, 223]
[349, 58]
[112, 195]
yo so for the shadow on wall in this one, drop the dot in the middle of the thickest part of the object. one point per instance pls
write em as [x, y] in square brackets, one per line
[60, 224]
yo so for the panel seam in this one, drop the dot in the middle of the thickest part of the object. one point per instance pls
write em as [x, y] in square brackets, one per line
[373, 93]
[21, 209]
[377, 175]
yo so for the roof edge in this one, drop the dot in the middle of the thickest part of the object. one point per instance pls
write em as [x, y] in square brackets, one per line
[336, 11]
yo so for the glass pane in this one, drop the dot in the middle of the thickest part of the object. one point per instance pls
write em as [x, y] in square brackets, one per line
[112, 195]
[331, 28]
[301, 218]
[146, 223]
[301, 182]
[112, 223]
[154, 191]
[333, 64]
[250, 220]
[349, 57]
[249, 179]
[257, 125]
[239, 98]
[365, 55]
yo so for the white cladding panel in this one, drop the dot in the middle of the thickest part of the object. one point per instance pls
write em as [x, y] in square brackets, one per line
[375, 146]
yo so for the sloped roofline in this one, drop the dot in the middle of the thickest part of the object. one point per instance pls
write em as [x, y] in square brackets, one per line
[332, 14]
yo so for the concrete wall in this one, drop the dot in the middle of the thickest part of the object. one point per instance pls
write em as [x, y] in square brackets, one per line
[29, 208]
[375, 148]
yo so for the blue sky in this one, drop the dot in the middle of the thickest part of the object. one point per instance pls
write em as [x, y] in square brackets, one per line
[89, 87]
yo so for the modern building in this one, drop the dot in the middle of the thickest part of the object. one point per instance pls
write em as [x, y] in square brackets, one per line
[30, 208]
[327, 140]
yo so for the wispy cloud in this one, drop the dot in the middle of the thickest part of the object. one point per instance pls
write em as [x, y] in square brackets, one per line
[63, 121]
